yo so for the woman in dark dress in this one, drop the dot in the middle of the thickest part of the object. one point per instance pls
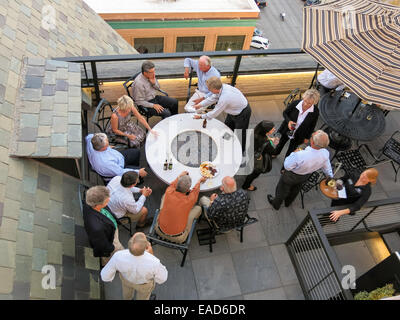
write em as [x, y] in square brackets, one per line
[261, 138]
[358, 191]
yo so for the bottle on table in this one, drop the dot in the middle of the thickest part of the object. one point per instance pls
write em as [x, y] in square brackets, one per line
[205, 123]
[166, 164]
[170, 164]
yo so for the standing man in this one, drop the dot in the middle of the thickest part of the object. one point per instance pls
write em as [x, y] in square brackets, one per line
[298, 168]
[300, 117]
[230, 100]
[139, 270]
[144, 93]
[204, 71]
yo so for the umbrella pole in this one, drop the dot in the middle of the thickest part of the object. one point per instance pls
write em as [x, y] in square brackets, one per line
[355, 108]
[314, 77]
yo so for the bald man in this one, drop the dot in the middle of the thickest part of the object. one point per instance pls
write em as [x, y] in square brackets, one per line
[138, 268]
[204, 71]
[228, 209]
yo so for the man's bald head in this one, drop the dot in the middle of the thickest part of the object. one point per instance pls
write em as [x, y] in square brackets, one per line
[229, 184]
[137, 244]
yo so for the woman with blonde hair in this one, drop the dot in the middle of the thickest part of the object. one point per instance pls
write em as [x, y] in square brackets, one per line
[121, 123]
[358, 191]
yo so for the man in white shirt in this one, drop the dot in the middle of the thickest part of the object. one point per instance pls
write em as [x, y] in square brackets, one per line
[122, 201]
[328, 81]
[230, 100]
[298, 168]
[139, 270]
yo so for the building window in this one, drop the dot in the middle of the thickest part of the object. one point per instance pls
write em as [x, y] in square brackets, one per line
[185, 44]
[149, 45]
[225, 43]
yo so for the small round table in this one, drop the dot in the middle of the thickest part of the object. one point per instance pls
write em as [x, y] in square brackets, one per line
[330, 192]
[228, 153]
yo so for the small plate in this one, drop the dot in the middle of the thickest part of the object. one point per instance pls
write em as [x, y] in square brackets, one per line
[205, 171]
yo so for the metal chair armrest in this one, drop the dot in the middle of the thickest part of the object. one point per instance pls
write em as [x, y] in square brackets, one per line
[163, 92]
[189, 238]
[153, 225]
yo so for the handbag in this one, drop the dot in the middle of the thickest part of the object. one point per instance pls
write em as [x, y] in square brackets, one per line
[262, 164]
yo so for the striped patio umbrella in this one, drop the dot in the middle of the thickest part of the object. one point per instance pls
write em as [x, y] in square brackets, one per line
[359, 42]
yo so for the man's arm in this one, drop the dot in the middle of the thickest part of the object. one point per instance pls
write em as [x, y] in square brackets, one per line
[288, 109]
[108, 272]
[327, 167]
[219, 107]
[160, 273]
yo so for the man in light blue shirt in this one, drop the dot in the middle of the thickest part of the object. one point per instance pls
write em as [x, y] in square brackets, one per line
[108, 162]
[204, 71]
[298, 168]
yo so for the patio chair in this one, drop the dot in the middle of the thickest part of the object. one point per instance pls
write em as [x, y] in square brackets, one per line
[154, 238]
[294, 95]
[391, 150]
[355, 161]
[142, 110]
[207, 236]
[101, 119]
[312, 182]
[82, 189]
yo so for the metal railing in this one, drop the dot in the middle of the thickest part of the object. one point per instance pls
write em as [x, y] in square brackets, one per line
[317, 266]
[94, 80]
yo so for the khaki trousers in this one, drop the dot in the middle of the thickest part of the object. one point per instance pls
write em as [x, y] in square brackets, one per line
[117, 246]
[193, 214]
[189, 106]
[134, 217]
[143, 291]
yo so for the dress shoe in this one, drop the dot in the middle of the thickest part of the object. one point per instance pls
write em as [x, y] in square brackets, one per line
[270, 200]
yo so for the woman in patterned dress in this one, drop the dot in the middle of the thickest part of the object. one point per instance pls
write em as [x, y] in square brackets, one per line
[122, 125]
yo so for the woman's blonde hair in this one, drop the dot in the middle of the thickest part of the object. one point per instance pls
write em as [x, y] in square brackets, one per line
[372, 175]
[125, 103]
[311, 94]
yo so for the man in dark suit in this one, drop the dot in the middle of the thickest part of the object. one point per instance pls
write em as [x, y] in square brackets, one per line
[302, 116]
[101, 224]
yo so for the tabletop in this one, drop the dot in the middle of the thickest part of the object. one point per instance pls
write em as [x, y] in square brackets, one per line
[184, 140]
[363, 122]
[330, 192]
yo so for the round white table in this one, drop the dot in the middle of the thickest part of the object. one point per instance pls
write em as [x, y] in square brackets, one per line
[228, 153]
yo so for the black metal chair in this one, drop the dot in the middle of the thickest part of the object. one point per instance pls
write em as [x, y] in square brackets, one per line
[294, 95]
[312, 182]
[391, 150]
[82, 189]
[142, 110]
[101, 119]
[207, 236]
[154, 238]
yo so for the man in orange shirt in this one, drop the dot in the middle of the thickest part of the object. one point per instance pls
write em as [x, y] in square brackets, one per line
[177, 209]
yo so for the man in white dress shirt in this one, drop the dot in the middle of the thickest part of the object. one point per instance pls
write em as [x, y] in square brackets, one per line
[230, 100]
[139, 270]
[298, 168]
[328, 81]
[122, 201]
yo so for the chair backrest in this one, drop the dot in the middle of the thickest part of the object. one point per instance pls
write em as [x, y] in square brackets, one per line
[295, 94]
[312, 181]
[82, 189]
[128, 84]
[392, 148]
[102, 115]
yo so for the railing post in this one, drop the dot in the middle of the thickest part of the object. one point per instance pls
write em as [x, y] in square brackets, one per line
[315, 75]
[96, 82]
[236, 70]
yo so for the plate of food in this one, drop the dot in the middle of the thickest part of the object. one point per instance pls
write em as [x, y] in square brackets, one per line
[208, 170]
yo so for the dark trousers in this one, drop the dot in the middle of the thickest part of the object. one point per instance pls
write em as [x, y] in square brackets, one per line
[132, 158]
[169, 104]
[294, 143]
[288, 188]
[240, 121]
[249, 179]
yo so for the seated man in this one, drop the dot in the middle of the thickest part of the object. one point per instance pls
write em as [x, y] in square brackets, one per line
[108, 162]
[328, 81]
[122, 202]
[204, 70]
[144, 93]
[228, 209]
[177, 212]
